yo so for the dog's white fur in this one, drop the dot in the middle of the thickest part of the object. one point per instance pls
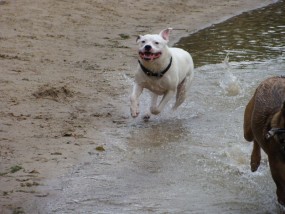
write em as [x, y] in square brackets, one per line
[176, 80]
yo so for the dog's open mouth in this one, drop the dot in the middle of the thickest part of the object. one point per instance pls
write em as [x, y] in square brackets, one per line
[149, 56]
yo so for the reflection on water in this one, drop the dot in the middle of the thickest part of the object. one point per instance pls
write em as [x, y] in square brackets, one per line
[252, 36]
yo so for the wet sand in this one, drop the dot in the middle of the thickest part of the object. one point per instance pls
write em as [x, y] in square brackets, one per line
[63, 67]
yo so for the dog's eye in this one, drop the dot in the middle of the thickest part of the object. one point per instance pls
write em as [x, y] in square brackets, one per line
[143, 41]
[157, 43]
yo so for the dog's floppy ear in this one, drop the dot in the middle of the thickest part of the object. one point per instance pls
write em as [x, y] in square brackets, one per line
[165, 34]
[138, 38]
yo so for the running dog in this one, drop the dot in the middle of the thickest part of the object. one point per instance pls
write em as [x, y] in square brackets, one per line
[163, 71]
[264, 124]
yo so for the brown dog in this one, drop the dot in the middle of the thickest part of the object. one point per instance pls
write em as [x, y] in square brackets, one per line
[264, 124]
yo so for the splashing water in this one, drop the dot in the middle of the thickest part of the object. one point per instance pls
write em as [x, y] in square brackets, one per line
[230, 83]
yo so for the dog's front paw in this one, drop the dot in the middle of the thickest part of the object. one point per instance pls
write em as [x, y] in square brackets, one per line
[135, 112]
[154, 110]
[146, 117]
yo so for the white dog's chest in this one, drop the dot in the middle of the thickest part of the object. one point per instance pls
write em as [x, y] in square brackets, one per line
[157, 86]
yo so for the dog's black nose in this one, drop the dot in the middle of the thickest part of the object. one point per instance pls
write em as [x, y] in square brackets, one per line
[147, 47]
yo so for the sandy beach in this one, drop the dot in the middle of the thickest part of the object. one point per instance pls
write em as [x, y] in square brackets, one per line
[63, 68]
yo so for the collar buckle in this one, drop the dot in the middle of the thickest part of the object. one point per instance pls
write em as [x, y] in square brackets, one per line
[272, 132]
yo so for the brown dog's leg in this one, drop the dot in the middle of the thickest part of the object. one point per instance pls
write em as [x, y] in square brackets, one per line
[255, 157]
[248, 135]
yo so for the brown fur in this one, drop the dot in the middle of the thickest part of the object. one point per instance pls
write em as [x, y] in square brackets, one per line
[266, 110]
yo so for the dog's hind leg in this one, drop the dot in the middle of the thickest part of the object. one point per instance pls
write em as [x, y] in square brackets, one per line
[248, 135]
[247, 131]
[166, 97]
[181, 93]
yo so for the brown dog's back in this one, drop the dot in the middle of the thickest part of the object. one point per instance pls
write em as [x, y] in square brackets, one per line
[267, 100]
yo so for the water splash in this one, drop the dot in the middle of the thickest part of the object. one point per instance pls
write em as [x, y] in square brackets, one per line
[230, 83]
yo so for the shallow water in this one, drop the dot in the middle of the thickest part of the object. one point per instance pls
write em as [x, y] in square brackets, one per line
[253, 36]
[194, 160]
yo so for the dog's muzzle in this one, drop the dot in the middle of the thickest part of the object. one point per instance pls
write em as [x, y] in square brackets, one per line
[147, 55]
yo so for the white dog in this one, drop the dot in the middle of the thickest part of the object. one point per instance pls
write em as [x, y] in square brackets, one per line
[163, 71]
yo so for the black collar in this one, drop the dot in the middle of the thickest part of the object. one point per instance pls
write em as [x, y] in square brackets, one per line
[274, 131]
[156, 74]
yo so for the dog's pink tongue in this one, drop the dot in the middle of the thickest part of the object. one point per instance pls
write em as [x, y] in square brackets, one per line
[152, 57]
[156, 55]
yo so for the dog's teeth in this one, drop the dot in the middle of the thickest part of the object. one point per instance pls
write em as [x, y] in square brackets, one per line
[149, 55]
